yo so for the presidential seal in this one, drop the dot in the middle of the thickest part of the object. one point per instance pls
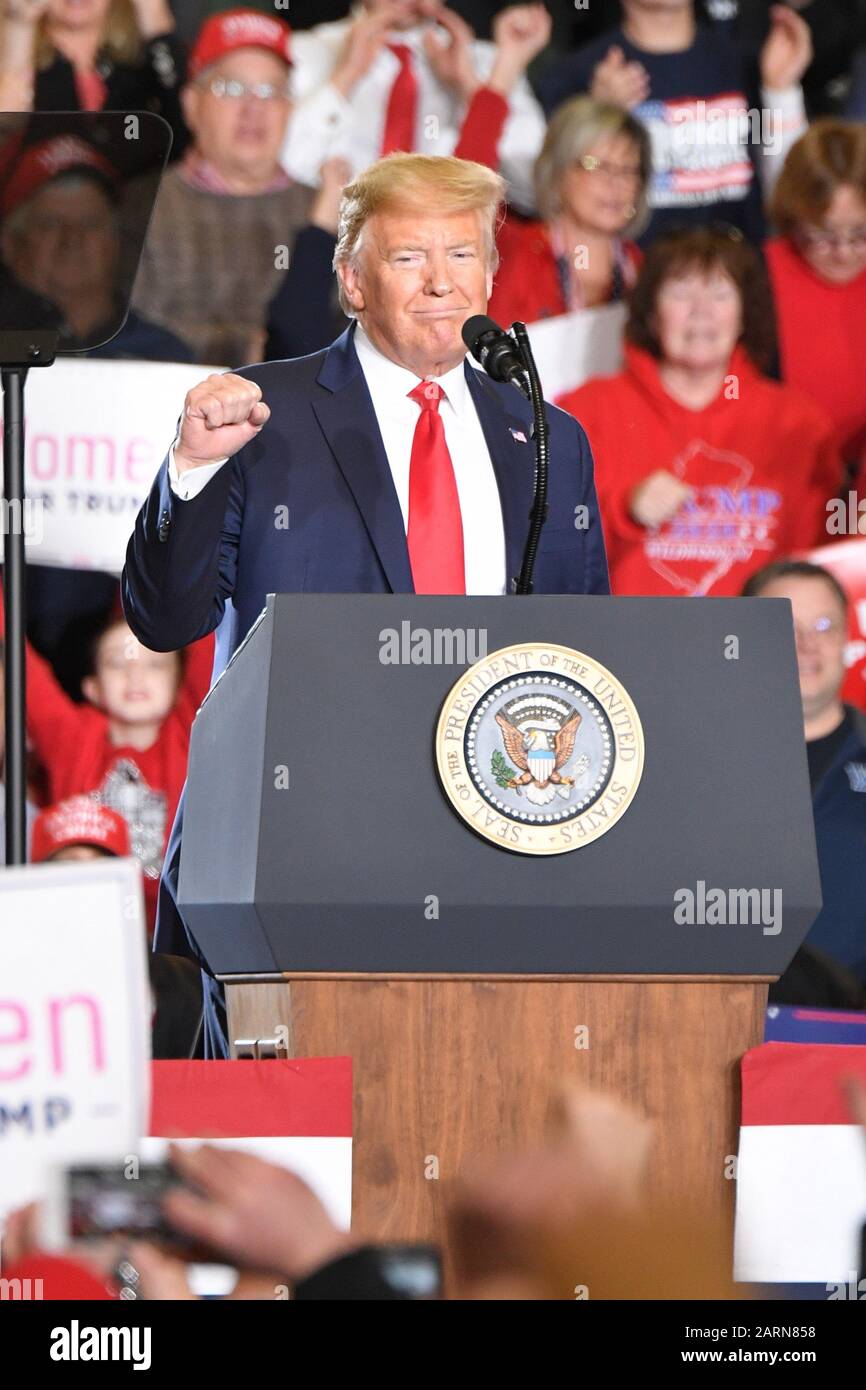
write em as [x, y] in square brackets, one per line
[539, 748]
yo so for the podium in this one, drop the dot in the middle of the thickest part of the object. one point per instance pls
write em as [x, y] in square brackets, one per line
[351, 910]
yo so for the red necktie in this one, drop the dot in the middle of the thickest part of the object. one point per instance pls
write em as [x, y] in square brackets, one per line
[402, 104]
[435, 531]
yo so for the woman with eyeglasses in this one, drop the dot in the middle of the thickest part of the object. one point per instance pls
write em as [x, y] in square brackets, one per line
[817, 267]
[705, 468]
[591, 179]
[92, 55]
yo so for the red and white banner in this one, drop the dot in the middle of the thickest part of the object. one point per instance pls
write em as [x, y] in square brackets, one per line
[801, 1171]
[297, 1113]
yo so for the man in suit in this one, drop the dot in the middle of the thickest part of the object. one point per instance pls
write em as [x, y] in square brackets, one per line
[384, 464]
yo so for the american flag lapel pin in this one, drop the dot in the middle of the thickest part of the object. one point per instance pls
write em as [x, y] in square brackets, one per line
[518, 435]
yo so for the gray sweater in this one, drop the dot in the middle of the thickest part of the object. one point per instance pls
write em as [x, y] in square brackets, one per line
[210, 262]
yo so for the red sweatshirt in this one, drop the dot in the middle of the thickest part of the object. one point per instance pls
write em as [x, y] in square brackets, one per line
[72, 742]
[762, 466]
[822, 340]
[527, 285]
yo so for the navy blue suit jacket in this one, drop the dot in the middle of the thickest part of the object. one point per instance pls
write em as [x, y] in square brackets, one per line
[211, 561]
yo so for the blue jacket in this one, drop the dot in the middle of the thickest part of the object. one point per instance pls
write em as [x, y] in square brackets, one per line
[193, 566]
[839, 804]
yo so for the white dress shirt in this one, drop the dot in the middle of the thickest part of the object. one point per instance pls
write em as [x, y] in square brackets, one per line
[326, 124]
[397, 416]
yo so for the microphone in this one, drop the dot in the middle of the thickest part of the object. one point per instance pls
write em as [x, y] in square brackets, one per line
[510, 359]
[498, 353]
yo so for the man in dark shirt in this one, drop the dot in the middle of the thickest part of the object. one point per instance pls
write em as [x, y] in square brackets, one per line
[836, 748]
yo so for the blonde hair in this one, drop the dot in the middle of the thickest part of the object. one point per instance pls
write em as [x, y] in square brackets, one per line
[574, 129]
[121, 37]
[419, 183]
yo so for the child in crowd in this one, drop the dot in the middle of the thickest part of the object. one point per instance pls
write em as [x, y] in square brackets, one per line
[128, 744]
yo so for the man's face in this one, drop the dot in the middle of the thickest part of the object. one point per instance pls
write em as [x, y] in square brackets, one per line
[65, 242]
[417, 278]
[405, 13]
[132, 684]
[820, 628]
[240, 135]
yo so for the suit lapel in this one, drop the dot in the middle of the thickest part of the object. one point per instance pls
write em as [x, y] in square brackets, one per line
[513, 464]
[349, 424]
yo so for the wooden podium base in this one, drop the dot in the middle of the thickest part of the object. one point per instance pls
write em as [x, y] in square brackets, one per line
[445, 1068]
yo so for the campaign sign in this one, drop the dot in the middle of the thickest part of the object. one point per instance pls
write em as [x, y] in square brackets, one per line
[74, 1019]
[96, 433]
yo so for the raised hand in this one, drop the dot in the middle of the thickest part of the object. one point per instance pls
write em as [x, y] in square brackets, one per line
[520, 34]
[153, 17]
[363, 44]
[787, 50]
[451, 58]
[24, 11]
[220, 416]
[260, 1215]
[618, 82]
[334, 174]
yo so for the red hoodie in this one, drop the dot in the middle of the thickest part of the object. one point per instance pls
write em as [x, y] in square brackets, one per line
[762, 463]
[822, 340]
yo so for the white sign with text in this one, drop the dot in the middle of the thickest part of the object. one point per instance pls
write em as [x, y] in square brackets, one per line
[95, 435]
[74, 1019]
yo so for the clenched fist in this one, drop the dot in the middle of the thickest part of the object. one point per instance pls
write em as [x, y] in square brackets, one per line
[220, 416]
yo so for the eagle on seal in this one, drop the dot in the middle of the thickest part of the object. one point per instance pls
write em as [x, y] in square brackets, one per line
[538, 761]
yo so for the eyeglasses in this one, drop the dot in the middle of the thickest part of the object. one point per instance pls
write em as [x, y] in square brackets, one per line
[630, 173]
[823, 240]
[821, 627]
[233, 89]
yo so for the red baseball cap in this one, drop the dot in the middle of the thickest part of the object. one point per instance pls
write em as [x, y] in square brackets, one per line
[223, 33]
[39, 164]
[78, 821]
[57, 1277]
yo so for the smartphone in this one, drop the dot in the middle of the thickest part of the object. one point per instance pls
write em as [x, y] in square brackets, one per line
[87, 1202]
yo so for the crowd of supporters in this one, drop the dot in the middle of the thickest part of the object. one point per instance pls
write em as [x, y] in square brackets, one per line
[701, 164]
